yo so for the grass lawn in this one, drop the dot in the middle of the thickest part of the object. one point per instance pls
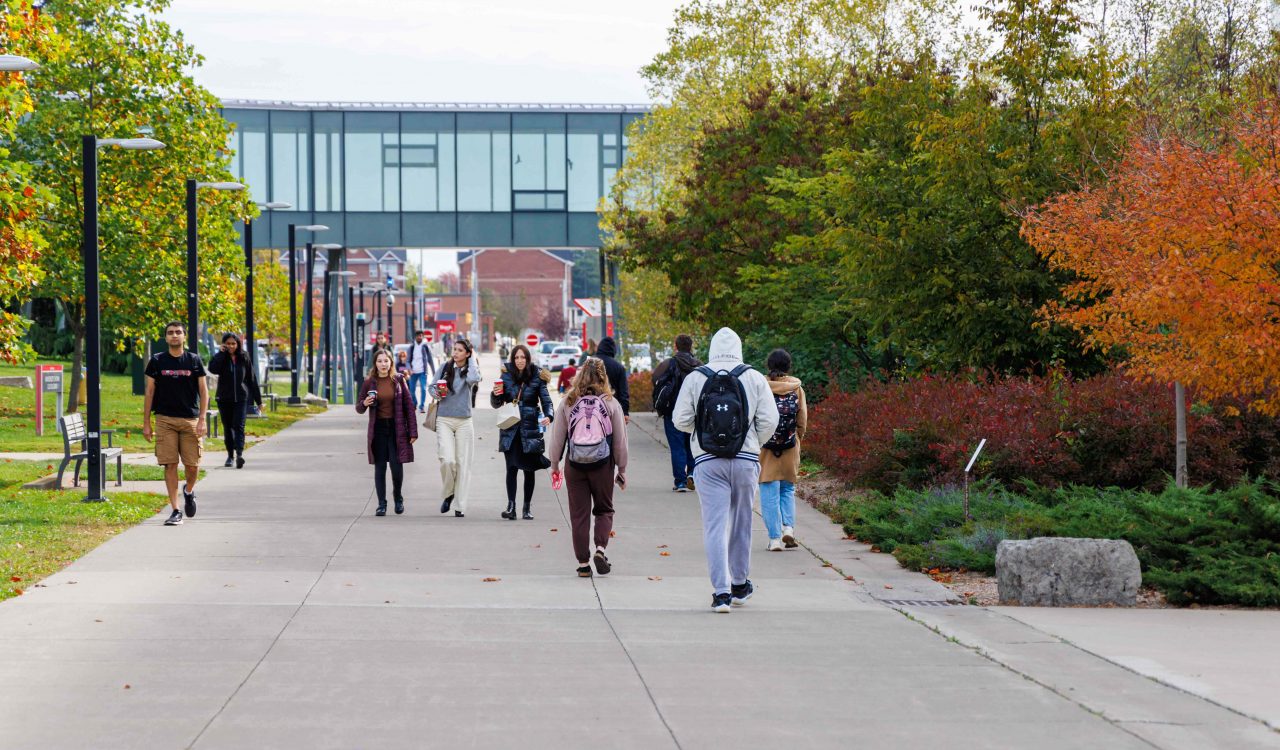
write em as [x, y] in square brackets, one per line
[42, 531]
[121, 411]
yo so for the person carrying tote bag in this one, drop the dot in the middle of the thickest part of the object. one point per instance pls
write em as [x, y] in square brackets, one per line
[454, 396]
[392, 428]
[524, 386]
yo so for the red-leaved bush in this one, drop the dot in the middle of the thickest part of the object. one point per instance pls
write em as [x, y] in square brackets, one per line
[1109, 430]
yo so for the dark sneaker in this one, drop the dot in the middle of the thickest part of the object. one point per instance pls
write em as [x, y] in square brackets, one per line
[602, 563]
[174, 519]
[742, 592]
[230, 460]
[399, 505]
[680, 488]
[189, 499]
[584, 571]
[444, 507]
[458, 514]
[239, 462]
[720, 603]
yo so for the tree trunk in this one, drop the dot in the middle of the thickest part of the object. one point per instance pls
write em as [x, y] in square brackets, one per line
[77, 357]
[1180, 468]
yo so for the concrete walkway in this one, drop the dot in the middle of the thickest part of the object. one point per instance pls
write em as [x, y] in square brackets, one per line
[285, 615]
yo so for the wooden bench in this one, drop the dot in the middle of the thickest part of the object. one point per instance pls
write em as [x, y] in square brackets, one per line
[73, 430]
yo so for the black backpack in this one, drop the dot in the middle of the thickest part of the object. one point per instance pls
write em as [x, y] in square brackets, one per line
[722, 418]
[784, 438]
[667, 389]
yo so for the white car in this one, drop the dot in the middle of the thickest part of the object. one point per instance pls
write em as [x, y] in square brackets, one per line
[559, 357]
[544, 351]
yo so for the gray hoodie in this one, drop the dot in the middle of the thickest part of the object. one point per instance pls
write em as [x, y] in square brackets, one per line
[726, 354]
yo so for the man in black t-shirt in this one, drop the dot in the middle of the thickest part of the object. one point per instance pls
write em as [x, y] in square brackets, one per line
[179, 395]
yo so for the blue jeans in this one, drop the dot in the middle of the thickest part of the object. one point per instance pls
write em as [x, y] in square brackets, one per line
[681, 454]
[778, 506]
[418, 388]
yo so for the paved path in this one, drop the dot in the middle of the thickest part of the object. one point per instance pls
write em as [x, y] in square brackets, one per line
[287, 616]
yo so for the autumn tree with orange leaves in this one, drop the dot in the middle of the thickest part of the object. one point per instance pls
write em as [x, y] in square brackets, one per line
[1177, 260]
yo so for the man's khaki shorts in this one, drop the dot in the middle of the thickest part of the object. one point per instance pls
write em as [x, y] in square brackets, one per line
[176, 440]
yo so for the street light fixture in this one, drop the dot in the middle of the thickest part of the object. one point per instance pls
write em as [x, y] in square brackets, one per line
[248, 279]
[17, 64]
[293, 305]
[193, 270]
[92, 319]
[330, 356]
[312, 363]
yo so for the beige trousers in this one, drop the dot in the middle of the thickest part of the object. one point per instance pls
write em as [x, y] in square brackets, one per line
[455, 438]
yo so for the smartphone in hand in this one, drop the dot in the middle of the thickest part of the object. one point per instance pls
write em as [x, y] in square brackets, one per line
[621, 481]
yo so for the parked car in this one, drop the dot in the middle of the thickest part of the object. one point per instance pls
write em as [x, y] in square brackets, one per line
[544, 351]
[278, 360]
[559, 357]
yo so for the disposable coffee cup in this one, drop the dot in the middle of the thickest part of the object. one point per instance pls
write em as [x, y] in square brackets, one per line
[373, 395]
[442, 387]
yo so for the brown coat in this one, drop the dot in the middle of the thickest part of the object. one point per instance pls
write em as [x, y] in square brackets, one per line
[787, 466]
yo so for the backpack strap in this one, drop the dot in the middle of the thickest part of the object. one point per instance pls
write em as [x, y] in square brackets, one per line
[710, 373]
[737, 371]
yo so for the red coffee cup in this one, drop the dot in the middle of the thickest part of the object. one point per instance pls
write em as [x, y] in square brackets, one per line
[442, 387]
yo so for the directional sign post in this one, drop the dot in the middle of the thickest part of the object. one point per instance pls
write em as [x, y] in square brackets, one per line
[48, 380]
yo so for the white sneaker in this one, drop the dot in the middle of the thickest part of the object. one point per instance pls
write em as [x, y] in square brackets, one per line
[775, 545]
[789, 537]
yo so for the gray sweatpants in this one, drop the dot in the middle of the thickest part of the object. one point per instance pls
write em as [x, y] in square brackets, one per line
[726, 488]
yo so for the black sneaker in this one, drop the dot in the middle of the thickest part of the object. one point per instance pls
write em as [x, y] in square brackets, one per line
[399, 505]
[190, 502]
[174, 519]
[230, 460]
[680, 488]
[584, 571]
[720, 603]
[602, 563]
[239, 462]
[742, 592]
[444, 507]
[458, 514]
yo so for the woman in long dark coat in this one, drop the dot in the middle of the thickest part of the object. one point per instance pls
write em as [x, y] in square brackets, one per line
[392, 429]
[524, 384]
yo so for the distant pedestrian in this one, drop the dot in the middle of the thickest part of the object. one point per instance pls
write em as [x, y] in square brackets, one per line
[667, 379]
[237, 388]
[607, 352]
[455, 432]
[729, 409]
[380, 342]
[392, 428]
[179, 395]
[590, 433]
[524, 384]
[780, 455]
[402, 365]
[422, 369]
[590, 349]
[566, 376]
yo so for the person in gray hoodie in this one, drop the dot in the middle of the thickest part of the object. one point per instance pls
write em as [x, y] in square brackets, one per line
[727, 486]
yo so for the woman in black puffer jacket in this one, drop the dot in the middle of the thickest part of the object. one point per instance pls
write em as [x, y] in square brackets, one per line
[237, 387]
[525, 385]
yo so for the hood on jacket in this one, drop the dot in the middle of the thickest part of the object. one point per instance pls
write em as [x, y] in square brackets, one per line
[784, 385]
[686, 362]
[726, 348]
[607, 347]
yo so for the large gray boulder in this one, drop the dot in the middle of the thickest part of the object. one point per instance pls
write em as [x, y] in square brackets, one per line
[1060, 572]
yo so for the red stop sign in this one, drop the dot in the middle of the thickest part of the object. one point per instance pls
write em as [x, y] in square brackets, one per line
[531, 340]
[428, 335]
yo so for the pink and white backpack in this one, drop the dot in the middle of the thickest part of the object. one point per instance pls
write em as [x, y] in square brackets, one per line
[590, 428]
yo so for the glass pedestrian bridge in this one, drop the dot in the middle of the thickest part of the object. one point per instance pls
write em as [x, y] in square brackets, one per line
[431, 175]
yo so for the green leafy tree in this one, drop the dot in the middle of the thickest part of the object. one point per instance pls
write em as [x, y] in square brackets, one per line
[270, 299]
[127, 72]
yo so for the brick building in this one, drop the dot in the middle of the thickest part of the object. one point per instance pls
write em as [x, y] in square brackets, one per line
[541, 279]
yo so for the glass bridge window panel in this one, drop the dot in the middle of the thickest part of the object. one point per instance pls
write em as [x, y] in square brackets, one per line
[529, 163]
[372, 183]
[328, 160]
[475, 171]
[290, 171]
[585, 183]
[251, 150]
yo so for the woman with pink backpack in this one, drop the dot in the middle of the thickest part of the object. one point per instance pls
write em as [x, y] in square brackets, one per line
[590, 434]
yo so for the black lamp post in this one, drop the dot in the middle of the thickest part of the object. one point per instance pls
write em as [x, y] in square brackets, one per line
[248, 282]
[92, 321]
[313, 361]
[293, 306]
[193, 265]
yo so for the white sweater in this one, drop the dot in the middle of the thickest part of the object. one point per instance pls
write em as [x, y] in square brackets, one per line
[726, 354]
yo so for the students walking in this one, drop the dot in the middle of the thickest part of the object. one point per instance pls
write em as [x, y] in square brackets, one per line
[422, 368]
[237, 388]
[392, 428]
[607, 351]
[729, 409]
[667, 379]
[455, 432]
[780, 455]
[590, 432]
[179, 395]
[524, 384]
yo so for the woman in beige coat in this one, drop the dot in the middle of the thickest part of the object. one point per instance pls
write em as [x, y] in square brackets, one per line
[780, 457]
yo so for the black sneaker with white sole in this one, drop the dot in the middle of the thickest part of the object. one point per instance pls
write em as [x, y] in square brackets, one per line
[174, 519]
[741, 593]
[720, 603]
[189, 499]
[602, 563]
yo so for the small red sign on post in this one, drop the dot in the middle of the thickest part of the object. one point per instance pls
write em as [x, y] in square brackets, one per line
[445, 326]
[531, 340]
[432, 304]
[428, 335]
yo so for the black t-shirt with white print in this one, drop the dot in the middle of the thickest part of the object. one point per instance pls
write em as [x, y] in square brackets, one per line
[177, 393]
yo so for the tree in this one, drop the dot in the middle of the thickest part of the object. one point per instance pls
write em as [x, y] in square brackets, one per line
[270, 298]
[1177, 261]
[126, 72]
[22, 201]
[552, 321]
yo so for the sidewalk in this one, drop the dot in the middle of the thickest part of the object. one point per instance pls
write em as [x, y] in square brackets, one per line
[285, 615]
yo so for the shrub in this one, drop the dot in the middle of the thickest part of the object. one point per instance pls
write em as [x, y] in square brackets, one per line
[641, 386]
[1195, 545]
[1109, 430]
